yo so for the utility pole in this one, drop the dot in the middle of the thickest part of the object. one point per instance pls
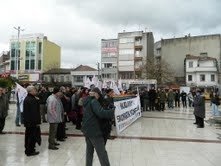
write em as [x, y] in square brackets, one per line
[17, 49]
[98, 69]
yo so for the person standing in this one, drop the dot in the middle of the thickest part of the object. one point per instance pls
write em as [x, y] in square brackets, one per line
[162, 99]
[177, 99]
[54, 115]
[152, 97]
[32, 121]
[4, 105]
[183, 96]
[171, 98]
[43, 95]
[199, 109]
[215, 102]
[146, 99]
[93, 111]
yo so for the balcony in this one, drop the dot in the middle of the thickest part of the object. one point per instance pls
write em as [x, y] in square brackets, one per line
[202, 69]
[138, 58]
[138, 45]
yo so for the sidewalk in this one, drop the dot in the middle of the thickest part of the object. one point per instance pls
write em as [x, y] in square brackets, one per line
[157, 139]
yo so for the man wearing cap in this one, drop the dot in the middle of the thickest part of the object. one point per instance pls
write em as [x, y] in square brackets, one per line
[54, 115]
[32, 120]
[93, 112]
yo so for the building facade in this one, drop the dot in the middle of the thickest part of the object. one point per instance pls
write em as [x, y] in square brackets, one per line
[36, 54]
[4, 62]
[133, 50]
[57, 76]
[109, 54]
[81, 73]
[173, 51]
[201, 71]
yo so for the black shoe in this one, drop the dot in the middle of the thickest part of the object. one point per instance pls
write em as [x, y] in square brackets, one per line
[18, 125]
[62, 140]
[195, 123]
[2, 132]
[78, 128]
[65, 137]
[32, 154]
[200, 126]
[53, 148]
[56, 144]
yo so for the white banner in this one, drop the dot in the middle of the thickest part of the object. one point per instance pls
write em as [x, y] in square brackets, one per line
[22, 93]
[127, 111]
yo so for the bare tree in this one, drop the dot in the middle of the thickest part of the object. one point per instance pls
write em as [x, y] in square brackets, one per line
[157, 69]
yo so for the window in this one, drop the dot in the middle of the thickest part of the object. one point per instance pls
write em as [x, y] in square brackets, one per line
[61, 78]
[39, 64]
[108, 65]
[190, 78]
[202, 78]
[203, 54]
[67, 78]
[190, 64]
[78, 79]
[12, 65]
[212, 77]
[39, 47]
[32, 64]
[126, 40]
[126, 51]
[26, 64]
[46, 79]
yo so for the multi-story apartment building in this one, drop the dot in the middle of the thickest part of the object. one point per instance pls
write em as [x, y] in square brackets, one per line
[133, 50]
[173, 51]
[4, 62]
[109, 54]
[36, 54]
[201, 71]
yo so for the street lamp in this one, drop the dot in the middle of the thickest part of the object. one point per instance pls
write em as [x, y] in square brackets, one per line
[16, 50]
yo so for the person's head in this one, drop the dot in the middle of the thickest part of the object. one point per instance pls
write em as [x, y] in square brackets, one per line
[92, 86]
[32, 90]
[96, 93]
[57, 91]
[198, 92]
[109, 92]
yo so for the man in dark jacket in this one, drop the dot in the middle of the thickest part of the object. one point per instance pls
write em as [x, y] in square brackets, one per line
[3, 109]
[93, 111]
[32, 120]
[199, 109]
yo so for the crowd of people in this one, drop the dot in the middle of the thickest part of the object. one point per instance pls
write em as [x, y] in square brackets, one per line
[92, 111]
[64, 105]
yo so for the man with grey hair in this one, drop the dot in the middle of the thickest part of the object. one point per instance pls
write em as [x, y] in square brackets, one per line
[32, 121]
[54, 114]
[3, 109]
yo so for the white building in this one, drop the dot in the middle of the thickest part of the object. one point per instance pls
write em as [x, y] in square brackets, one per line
[201, 71]
[174, 50]
[80, 73]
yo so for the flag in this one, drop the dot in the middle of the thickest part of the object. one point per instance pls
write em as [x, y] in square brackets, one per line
[94, 80]
[99, 85]
[87, 82]
[22, 93]
[114, 87]
[120, 85]
[104, 84]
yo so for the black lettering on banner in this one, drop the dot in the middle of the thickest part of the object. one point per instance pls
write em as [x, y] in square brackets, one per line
[126, 104]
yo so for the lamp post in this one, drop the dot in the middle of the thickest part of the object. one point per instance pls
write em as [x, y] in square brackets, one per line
[16, 50]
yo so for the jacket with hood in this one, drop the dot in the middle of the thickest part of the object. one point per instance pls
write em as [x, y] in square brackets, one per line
[93, 112]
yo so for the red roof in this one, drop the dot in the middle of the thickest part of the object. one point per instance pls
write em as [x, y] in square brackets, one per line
[84, 68]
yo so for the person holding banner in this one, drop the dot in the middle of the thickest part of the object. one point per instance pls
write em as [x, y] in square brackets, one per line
[91, 127]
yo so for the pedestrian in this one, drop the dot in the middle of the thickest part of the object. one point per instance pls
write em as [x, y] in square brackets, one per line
[183, 96]
[146, 100]
[91, 128]
[199, 109]
[215, 102]
[54, 115]
[171, 98]
[43, 95]
[4, 105]
[32, 121]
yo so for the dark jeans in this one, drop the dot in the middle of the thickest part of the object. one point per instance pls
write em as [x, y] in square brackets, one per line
[61, 131]
[30, 139]
[43, 110]
[146, 104]
[79, 120]
[184, 103]
[162, 106]
[2, 123]
[52, 134]
[177, 103]
[96, 143]
[199, 121]
[152, 105]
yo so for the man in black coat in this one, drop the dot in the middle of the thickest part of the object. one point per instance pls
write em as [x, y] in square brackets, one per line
[32, 120]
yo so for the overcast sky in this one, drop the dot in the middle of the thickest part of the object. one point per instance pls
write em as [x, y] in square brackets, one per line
[79, 25]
